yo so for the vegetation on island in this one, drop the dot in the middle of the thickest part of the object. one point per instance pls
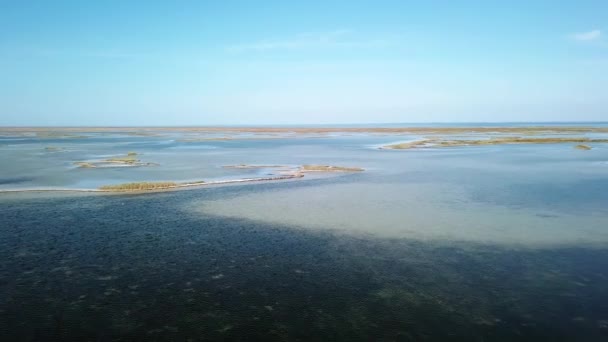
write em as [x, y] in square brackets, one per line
[582, 147]
[293, 173]
[193, 183]
[138, 186]
[129, 160]
[85, 165]
[438, 142]
[329, 168]
[408, 145]
[143, 186]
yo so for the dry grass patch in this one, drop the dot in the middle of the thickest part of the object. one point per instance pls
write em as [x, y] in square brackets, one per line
[329, 168]
[85, 165]
[138, 186]
[582, 147]
[130, 159]
[491, 141]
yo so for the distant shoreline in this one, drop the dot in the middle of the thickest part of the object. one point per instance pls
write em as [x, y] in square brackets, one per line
[445, 129]
[340, 125]
[439, 143]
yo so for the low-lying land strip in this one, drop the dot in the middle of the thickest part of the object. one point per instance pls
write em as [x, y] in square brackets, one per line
[425, 143]
[62, 131]
[139, 186]
[129, 160]
[151, 186]
[297, 172]
[329, 168]
[582, 147]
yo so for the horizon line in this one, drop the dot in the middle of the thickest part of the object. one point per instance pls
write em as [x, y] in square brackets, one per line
[306, 124]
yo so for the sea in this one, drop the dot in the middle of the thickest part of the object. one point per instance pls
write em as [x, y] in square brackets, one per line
[469, 243]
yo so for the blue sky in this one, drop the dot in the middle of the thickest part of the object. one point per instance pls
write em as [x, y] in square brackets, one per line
[305, 62]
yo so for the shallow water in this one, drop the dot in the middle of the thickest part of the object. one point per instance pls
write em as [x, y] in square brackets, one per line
[492, 243]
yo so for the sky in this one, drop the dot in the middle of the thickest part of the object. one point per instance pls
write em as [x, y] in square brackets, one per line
[301, 62]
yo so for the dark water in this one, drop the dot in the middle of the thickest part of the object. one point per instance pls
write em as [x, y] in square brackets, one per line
[141, 268]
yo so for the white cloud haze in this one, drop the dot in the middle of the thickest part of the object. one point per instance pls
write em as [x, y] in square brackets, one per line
[338, 38]
[587, 36]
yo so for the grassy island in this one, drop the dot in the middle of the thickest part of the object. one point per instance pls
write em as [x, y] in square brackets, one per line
[295, 172]
[138, 186]
[145, 186]
[329, 168]
[129, 160]
[85, 165]
[491, 141]
[582, 147]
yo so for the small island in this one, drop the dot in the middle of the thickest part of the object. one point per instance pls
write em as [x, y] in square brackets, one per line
[329, 168]
[295, 172]
[582, 147]
[128, 160]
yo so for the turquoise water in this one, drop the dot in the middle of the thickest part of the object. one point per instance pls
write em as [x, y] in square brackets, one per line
[488, 243]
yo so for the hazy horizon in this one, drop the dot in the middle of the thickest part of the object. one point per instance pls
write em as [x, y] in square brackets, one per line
[404, 124]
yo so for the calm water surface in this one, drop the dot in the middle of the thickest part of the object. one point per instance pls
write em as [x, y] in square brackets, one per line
[494, 243]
